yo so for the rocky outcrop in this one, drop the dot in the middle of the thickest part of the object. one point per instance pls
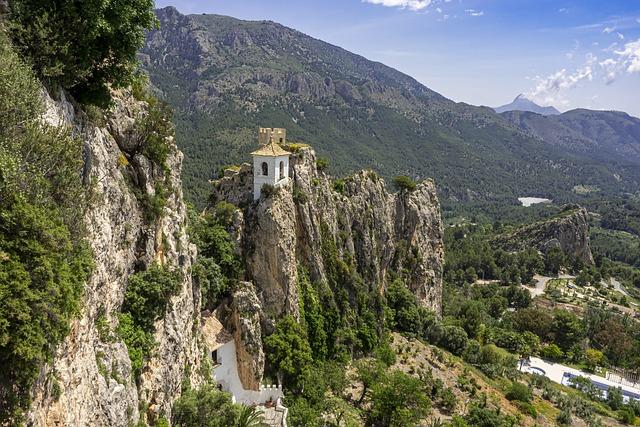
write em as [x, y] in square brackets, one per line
[369, 228]
[89, 382]
[270, 253]
[245, 323]
[568, 231]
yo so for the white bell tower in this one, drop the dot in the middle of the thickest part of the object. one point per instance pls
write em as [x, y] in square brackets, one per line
[270, 161]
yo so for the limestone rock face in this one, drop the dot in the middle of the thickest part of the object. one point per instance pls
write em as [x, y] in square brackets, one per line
[91, 370]
[373, 229]
[420, 226]
[270, 253]
[568, 231]
[245, 323]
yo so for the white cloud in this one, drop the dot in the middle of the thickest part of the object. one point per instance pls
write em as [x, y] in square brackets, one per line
[548, 89]
[609, 30]
[403, 4]
[610, 68]
[630, 56]
[473, 12]
[620, 36]
[563, 10]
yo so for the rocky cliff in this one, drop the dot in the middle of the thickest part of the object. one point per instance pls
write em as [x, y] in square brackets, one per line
[90, 380]
[330, 227]
[568, 231]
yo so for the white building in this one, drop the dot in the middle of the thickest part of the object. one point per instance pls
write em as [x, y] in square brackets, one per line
[270, 161]
[222, 349]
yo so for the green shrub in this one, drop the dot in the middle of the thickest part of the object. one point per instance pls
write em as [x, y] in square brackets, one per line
[224, 212]
[154, 131]
[551, 352]
[398, 400]
[448, 400]
[102, 326]
[268, 191]
[206, 407]
[527, 408]
[339, 186]
[145, 301]
[615, 398]
[322, 163]
[402, 182]
[81, 46]
[564, 418]
[520, 392]
[454, 339]
[288, 351]
[44, 259]
[627, 415]
[214, 286]
[299, 196]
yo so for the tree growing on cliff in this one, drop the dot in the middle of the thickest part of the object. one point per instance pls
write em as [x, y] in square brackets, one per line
[288, 351]
[404, 183]
[82, 45]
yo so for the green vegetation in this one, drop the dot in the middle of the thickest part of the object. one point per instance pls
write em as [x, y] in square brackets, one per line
[218, 265]
[473, 256]
[145, 301]
[268, 191]
[405, 183]
[153, 131]
[209, 407]
[520, 392]
[99, 52]
[398, 399]
[289, 351]
[322, 163]
[44, 261]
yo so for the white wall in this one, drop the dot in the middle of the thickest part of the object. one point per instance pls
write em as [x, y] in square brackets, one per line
[227, 376]
[273, 178]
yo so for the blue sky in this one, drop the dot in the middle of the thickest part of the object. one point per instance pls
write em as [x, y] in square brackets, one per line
[570, 54]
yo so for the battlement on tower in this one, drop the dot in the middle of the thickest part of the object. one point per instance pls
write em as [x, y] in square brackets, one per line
[279, 135]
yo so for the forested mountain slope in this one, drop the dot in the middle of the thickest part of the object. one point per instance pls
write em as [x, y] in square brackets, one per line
[225, 77]
[604, 135]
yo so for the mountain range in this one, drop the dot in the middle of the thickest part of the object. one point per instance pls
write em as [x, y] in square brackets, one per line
[225, 77]
[603, 135]
[522, 103]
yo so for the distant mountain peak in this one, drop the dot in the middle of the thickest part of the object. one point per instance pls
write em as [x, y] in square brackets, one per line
[523, 103]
